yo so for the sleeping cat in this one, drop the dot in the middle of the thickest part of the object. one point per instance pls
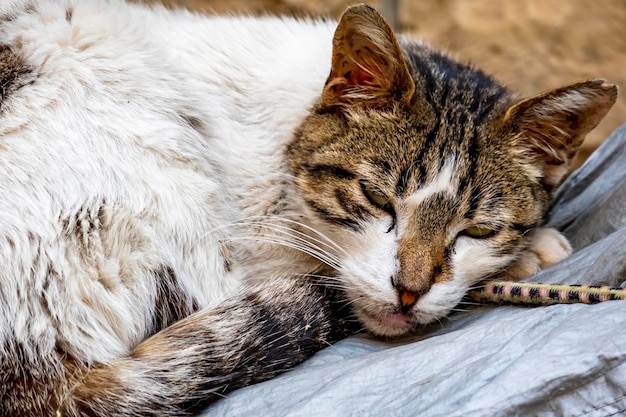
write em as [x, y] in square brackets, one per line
[193, 204]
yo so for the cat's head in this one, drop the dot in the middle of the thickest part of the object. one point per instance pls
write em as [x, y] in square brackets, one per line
[427, 173]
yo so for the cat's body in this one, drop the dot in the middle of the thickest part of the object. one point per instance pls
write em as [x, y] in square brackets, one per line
[154, 163]
[187, 148]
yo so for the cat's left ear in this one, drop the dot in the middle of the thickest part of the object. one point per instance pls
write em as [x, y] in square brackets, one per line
[368, 69]
[553, 125]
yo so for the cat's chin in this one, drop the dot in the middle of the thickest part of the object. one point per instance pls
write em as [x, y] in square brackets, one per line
[387, 324]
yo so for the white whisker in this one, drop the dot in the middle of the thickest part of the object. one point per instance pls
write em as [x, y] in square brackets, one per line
[320, 256]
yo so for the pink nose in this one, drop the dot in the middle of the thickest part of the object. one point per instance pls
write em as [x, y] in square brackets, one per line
[407, 298]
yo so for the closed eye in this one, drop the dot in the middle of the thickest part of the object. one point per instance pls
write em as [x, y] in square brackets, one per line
[377, 198]
[479, 232]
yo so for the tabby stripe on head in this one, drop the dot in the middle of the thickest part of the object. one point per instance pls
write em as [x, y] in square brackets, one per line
[465, 182]
[351, 207]
[427, 145]
[427, 76]
[326, 215]
[321, 170]
[523, 228]
[487, 107]
[402, 182]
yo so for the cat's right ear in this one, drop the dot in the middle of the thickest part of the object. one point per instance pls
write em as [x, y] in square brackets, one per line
[368, 69]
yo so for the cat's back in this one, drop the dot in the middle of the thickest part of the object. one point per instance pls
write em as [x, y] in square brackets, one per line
[151, 73]
[99, 95]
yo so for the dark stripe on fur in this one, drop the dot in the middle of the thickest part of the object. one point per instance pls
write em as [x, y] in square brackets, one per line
[403, 181]
[29, 386]
[326, 215]
[351, 207]
[14, 73]
[428, 143]
[321, 170]
[523, 228]
[172, 302]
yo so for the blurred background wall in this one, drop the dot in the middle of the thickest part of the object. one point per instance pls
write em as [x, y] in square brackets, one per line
[529, 45]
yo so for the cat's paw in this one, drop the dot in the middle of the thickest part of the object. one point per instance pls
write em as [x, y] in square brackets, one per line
[548, 246]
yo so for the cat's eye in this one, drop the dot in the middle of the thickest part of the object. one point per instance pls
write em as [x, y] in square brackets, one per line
[479, 232]
[376, 198]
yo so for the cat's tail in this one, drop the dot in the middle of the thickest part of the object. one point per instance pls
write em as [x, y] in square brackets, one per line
[197, 360]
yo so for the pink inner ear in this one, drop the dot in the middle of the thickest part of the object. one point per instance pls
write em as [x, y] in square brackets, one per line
[368, 70]
[362, 77]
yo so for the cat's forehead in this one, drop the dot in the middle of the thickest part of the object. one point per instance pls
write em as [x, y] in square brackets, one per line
[451, 146]
[447, 84]
[457, 116]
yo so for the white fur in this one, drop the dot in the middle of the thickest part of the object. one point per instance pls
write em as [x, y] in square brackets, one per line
[443, 182]
[374, 262]
[102, 123]
[370, 264]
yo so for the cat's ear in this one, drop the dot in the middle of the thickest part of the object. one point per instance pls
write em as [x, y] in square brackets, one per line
[553, 125]
[368, 69]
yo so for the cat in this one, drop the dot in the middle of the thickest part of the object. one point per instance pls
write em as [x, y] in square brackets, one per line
[192, 204]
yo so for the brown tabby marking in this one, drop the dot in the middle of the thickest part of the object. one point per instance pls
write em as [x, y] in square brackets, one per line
[173, 303]
[14, 73]
[395, 121]
[195, 361]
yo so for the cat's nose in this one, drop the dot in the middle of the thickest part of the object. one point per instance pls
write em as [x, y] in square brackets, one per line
[407, 298]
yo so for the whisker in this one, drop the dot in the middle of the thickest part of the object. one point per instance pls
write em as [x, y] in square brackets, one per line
[313, 230]
[469, 303]
[322, 257]
[304, 249]
[302, 237]
[270, 223]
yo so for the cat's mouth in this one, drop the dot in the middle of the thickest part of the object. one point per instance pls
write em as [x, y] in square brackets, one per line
[387, 323]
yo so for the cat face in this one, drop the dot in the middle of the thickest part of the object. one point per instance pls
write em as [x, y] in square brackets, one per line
[428, 174]
[416, 211]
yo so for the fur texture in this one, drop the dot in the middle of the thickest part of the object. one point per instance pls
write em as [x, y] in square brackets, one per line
[193, 204]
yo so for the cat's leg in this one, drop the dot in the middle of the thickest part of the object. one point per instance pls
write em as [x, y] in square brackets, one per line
[254, 336]
[547, 246]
